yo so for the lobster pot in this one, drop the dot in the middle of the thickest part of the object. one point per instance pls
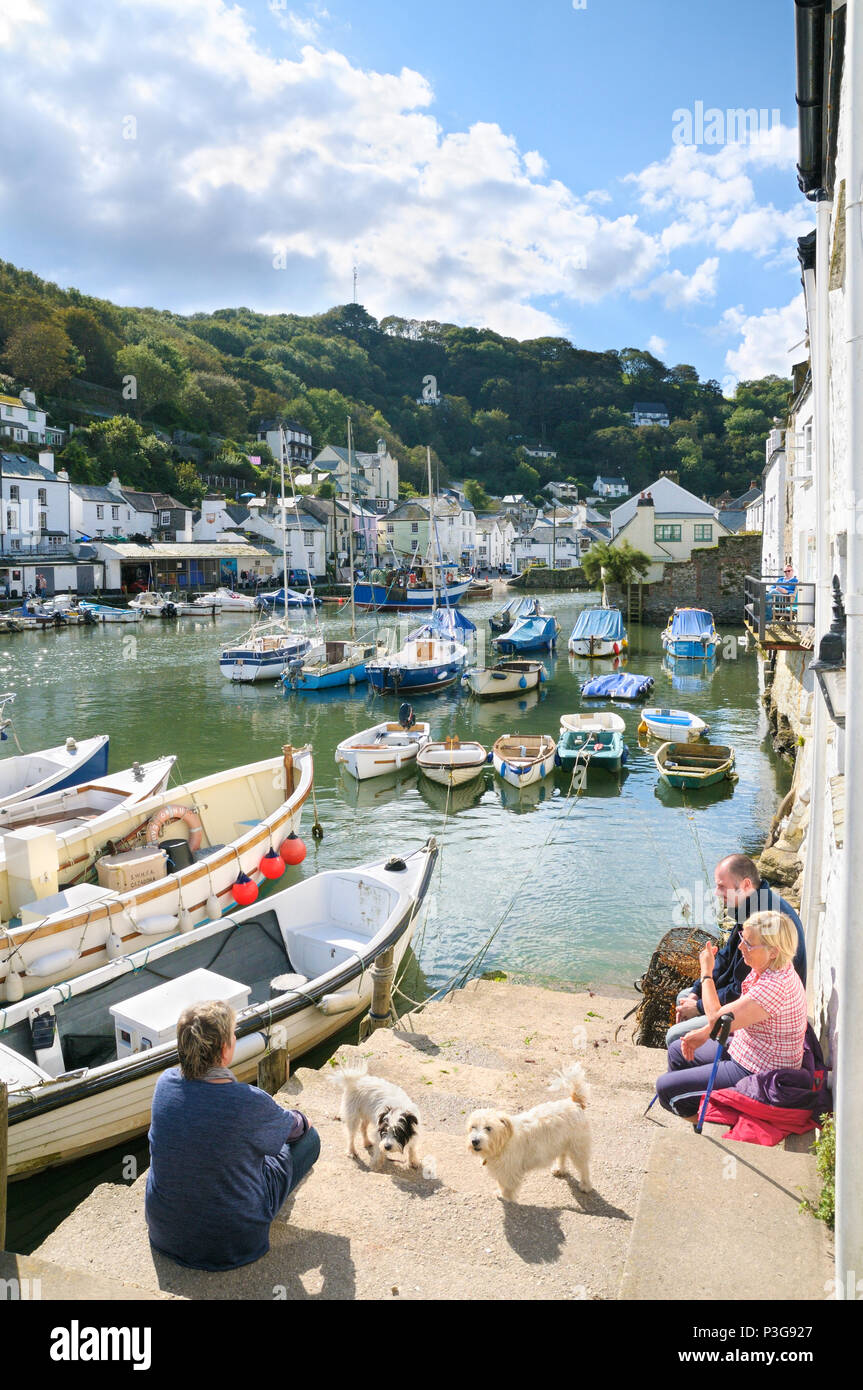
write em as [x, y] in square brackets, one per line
[674, 966]
[123, 872]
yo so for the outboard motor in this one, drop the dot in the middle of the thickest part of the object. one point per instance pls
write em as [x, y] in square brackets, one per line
[407, 718]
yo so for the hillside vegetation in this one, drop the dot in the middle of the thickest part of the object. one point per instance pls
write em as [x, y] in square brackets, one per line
[217, 374]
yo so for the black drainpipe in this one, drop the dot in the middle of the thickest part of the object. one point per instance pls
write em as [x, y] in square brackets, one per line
[809, 23]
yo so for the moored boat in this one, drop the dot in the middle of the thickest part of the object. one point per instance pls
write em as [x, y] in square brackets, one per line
[516, 608]
[506, 677]
[529, 635]
[152, 604]
[598, 632]
[264, 653]
[81, 1062]
[33, 774]
[452, 763]
[106, 613]
[227, 823]
[327, 664]
[586, 747]
[522, 759]
[599, 719]
[691, 632]
[619, 685]
[276, 600]
[423, 664]
[385, 747]
[85, 804]
[692, 765]
[204, 606]
[232, 602]
[672, 725]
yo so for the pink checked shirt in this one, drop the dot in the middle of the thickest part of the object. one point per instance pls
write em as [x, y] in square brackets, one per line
[777, 1041]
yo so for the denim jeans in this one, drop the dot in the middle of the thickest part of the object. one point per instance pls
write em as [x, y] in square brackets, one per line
[304, 1154]
[677, 1030]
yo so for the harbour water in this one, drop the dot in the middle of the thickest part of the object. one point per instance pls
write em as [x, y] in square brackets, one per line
[555, 883]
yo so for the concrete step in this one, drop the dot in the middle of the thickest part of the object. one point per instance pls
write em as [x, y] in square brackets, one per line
[717, 1218]
[27, 1278]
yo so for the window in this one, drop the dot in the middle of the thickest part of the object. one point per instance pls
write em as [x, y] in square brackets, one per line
[308, 538]
[115, 513]
[311, 560]
[14, 545]
[100, 512]
[414, 545]
[31, 415]
[415, 526]
[10, 521]
[43, 521]
[14, 493]
[164, 518]
[390, 528]
[43, 496]
[703, 532]
[666, 533]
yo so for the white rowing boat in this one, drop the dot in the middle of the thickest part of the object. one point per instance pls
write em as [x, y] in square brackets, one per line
[673, 725]
[81, 1062]
[592, 723]
[385, 747]
[522, 759]
[452, 763]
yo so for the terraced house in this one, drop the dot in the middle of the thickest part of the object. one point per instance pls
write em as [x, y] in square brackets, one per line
[22, 421]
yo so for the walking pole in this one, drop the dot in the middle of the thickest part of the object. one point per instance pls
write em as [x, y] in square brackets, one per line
[719, 1034]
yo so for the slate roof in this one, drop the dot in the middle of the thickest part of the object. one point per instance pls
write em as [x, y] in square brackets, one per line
[93, 492]
[19, 466]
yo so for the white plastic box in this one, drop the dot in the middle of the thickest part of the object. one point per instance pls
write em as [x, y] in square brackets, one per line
[150, 1018]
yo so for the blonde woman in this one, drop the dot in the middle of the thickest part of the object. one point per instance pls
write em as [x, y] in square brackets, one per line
[769, 1020]
[223, 1155]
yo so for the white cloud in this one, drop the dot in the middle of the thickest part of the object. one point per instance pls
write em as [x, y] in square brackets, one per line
[678, 290]
[769, 341]
[658, 346]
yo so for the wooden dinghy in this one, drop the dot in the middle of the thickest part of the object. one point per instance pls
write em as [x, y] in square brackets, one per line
[602, 719]
[81, 1061]
[509, 676]
[385, 747]
[225, 823]
[685, 765]
[452, 763]
[672, 725]
[522, 759]
[589, 747]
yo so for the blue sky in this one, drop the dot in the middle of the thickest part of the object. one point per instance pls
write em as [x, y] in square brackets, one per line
[514, 165]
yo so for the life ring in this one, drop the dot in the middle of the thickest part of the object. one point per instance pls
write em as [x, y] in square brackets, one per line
[412, 580]
[171, 813]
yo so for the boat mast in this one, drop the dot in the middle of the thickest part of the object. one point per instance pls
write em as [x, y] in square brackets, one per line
[350, 521]
[431, 530]
[282, 450]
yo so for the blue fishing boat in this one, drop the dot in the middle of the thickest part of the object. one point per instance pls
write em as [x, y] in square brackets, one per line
[423, 664]
[265, 652]
[690, 632]
[407, 590]
[618, 685]
[330, 664]
[598, 632]
[529, 635]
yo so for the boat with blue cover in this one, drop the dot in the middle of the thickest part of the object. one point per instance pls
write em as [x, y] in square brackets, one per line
[277, 599]
[598, 632]
[602, 747]
[529, 635]
[691, 632]
[617, 685]
[517, 608]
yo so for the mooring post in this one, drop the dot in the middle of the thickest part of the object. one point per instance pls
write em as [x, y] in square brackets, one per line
[380, 1014]
[273, 1070]
[4, 1152]
[288, 755]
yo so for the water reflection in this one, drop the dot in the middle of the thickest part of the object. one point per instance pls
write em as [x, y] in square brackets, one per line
[689, 674]
[451, 800]
[377, 791]
[586, 666]
[522, 799]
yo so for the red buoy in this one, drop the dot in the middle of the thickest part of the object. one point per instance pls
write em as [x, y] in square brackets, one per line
[272, 865]
[293, 851]
[244, 890]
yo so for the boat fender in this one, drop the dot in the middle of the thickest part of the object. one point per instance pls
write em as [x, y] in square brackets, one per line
[489, 757]
[340, 1003]
[158, 925]
[14, 987]
[557, 760]
[542, 677]
[503, 769]
[172, 813]
[52, 963]
[522, 683]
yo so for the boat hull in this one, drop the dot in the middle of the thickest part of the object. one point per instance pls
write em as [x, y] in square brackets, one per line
[397, 599]
[522, 770]
[65, 769]
[595, 646]
[688, 647]
[674, 726]
[493, 681]
[246, 664]
[686, 766]
[452, 766]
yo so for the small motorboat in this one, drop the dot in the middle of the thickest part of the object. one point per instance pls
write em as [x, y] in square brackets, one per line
[508, 676]
[517, 608]
[690, 765]
[33, 774]
[672, 725]
[601, 719]
[452, 763]
[598, 632]
[385, 747]
[691, 632]
[522, 759]
[329, 664]
[152, 604]
[204, 606]
[233, 602]
[529, 635]
[106, 613]
[619, 685]
[81, 1060]
[277, 599]
[589, 747]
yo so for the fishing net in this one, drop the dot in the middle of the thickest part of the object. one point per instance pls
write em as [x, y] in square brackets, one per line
[673, 967]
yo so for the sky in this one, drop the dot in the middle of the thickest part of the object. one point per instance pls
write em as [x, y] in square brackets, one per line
[564, 167]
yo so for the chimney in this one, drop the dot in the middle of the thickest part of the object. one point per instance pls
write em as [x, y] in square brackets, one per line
[27, 397]
[46, 456]
[115, 486]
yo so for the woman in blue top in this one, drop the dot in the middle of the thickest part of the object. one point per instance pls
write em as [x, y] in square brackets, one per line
[223, 1155]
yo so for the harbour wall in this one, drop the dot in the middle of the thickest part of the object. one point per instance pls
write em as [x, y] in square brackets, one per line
[711, 578]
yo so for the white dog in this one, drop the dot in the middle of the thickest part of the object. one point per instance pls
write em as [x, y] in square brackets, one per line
[511, 1145]
[377, 1112]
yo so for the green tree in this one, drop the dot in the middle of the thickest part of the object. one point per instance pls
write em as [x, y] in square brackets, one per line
[97, 344]
[189, 487]
[42, 355]
[477, 495]
[148, 380]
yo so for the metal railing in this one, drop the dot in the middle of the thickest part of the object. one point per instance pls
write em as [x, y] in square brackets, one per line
[765, 604]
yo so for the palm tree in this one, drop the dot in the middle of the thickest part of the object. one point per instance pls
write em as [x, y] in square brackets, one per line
[619, 564]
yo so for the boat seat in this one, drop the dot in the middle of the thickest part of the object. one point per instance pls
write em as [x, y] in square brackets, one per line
[45, 1036]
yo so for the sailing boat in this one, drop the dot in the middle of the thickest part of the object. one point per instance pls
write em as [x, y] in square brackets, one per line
[268, 648]
[431, 659]
[330, 663]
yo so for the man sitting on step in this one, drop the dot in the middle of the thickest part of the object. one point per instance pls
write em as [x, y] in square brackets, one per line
[741, 888]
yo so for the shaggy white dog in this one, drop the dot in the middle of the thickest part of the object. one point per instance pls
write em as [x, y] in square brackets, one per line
[378, 1113]
[512, 1145]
